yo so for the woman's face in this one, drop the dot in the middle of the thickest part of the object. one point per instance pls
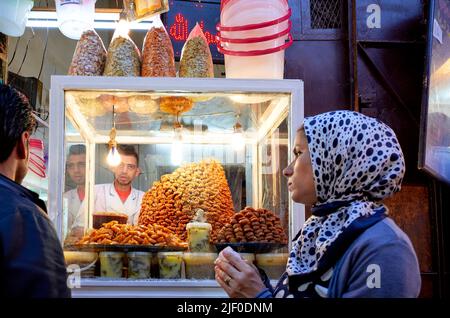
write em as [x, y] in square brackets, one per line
[300, 173]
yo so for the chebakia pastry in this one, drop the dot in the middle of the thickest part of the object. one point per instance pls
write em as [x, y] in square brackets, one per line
[127, 234]
[173, 201]
[253, 225]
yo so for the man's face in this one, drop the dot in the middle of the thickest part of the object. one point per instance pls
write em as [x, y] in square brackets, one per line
[127, 170]
[76, 167]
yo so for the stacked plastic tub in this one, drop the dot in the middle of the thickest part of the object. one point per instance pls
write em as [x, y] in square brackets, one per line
[252, 36]
[37, 160]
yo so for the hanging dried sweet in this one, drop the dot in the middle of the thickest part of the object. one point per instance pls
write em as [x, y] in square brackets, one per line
[123, 58]
[196, 59]
[89, 57]
[157, 54]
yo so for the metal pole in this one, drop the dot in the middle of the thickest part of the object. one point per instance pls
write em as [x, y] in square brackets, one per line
[353, 56]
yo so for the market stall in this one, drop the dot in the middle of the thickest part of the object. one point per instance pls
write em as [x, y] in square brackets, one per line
[211, 152]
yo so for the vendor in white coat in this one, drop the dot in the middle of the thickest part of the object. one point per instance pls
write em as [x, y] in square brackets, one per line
[120, 196]
[74, 199]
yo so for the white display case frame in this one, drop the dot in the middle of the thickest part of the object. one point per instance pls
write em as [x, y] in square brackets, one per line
[161, 288]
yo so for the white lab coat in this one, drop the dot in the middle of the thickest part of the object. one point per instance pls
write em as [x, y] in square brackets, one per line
[75, 209]
[107, 200]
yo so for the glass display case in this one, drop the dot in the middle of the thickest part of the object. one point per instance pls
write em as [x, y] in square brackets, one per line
[242, 130]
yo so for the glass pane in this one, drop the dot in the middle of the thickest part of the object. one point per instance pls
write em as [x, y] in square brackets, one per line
[75, 172]
[173, 134]
[154, 114]
[274, 158]
[74, 199]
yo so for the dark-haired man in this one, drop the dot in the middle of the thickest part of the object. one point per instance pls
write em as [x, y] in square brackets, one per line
[120, 196]
[31, 257]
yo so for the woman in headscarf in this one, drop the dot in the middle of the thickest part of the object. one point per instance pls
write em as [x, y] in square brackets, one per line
[344, 164]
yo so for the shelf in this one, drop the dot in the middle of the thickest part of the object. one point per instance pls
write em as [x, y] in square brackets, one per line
[120, 288]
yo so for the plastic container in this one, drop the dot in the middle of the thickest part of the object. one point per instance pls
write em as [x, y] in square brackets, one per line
[170, 264]
[253, 18]
[37, 160]
[199, 265]
[75, 16]
[224, 3]
[14, 16]
[249, 257]
[154, 267]
[99, 218]
[267, 64]
[139, 265]
[85, 260]
[274, 264]
[111, 264]
[199, 235]
[254, 49]
[259, 39]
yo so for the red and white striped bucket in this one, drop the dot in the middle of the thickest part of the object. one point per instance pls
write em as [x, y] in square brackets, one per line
[36, 162]
[255, 49]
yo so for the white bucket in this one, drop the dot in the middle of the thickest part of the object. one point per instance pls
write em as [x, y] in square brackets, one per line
[262, 42]
[75, 17]
[254, 49]
[263, 64]
[254, 13]
[14, 16]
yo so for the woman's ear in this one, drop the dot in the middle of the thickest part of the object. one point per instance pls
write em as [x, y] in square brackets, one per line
[23, 145]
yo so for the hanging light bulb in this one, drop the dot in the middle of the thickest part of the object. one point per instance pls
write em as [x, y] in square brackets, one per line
[237, 140]
[123, 27]
[113, 159]
[176, 155]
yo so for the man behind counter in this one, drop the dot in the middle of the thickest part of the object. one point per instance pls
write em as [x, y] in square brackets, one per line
[120, 196]
[76, 206]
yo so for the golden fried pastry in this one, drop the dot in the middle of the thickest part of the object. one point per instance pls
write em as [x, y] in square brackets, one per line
[115, 233]
[253, 225]
[175, 104]
[173, 201]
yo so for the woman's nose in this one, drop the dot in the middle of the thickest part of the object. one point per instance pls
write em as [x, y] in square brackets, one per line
[287, 172]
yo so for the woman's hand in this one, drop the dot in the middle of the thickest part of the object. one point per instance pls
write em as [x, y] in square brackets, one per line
[238, 278]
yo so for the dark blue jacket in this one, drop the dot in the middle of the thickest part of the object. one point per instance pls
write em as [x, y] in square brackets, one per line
[31, 256]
